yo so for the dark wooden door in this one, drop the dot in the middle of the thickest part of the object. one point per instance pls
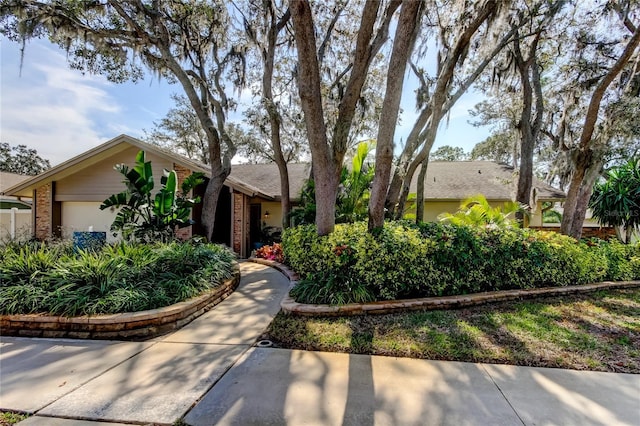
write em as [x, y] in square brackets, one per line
[255, 225]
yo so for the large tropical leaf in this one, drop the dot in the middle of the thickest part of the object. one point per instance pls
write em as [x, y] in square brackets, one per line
[476, 211]
[165, 200]
[191, 181]
[141, 175]
[115, 200]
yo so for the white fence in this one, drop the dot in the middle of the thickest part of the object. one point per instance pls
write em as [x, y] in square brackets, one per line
[15, 224]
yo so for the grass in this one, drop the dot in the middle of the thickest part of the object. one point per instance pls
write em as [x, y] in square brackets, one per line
[8, 418]
[598, 331]
[55, 279]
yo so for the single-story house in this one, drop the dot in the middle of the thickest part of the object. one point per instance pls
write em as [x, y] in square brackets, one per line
[15, 212]
[448, 183]
[67, 197]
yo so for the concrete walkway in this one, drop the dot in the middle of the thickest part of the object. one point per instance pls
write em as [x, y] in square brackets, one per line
[209, 373]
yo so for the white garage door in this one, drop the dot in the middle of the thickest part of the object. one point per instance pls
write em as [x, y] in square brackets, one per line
[80, 216]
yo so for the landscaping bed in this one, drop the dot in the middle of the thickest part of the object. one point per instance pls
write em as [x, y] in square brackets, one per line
[597, 331]
[405, 261]
[56, 280]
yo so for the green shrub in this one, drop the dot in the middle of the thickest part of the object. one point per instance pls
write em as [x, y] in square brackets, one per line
[433, 259]
[619, 258]
[25, 263]
[120, 278]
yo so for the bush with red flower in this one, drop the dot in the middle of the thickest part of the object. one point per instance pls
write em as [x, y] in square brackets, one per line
[272, 252]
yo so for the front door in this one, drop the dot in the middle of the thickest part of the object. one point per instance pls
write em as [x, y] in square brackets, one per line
[255, 226]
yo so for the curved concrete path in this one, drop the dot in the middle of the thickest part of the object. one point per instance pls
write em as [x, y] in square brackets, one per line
[155, 381]
[209, 373]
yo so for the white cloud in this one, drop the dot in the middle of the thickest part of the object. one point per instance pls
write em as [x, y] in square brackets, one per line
[50, 107]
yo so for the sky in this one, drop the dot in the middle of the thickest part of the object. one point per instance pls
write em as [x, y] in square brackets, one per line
[62, 112]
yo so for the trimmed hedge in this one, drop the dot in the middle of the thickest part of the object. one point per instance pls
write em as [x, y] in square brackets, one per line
[404, 260]
[55, 279]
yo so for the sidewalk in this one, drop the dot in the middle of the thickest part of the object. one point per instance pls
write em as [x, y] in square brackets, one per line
[209, 373]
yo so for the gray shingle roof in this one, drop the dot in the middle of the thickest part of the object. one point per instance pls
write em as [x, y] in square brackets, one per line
[445, 180]
[7, 180]
[266, 178]
[462, 179]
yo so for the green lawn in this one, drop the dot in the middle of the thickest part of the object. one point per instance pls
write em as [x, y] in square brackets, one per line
[596, 331]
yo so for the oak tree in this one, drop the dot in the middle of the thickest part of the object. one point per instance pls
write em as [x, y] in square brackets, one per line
[187, 42]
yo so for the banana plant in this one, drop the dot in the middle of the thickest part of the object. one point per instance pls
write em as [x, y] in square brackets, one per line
[146, 217]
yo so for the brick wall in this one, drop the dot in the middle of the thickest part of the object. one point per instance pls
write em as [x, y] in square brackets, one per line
[43, 212]
[603, 233]
[238, 214]
[182, 173]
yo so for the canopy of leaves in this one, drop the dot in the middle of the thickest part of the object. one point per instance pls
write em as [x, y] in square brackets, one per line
[21, 160]
[499, 147]
[448, 153]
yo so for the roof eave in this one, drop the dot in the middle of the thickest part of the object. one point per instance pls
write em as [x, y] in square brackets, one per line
[48, 175]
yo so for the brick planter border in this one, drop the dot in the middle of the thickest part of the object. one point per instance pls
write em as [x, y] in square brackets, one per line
[140, 325]
[290, 306]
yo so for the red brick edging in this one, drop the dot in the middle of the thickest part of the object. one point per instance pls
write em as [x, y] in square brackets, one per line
[126, 326]
[292, 307]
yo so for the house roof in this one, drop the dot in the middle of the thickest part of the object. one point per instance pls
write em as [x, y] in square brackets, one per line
[112, 147]
[458, 180]
[266, 177]
[7, 180]
[445, 180]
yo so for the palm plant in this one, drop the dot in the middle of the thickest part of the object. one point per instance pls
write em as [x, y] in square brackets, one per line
[476, 211]
[353, 198]
[616, 201]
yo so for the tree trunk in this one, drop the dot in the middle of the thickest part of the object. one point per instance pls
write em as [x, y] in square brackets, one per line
[402, 47]
[422, 160]
[573, 218]
[439, 97]
[326, 183]
[527, 138]
[581, 163]
[592, 173]
[274, 115]
[210, 202]
[420, 191]
[628, 234]
[395, 209]
[285, 201]
[363, 56]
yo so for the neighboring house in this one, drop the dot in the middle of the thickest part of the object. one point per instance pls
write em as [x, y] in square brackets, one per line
[67, 197]
[448, 183]
[15, 212]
